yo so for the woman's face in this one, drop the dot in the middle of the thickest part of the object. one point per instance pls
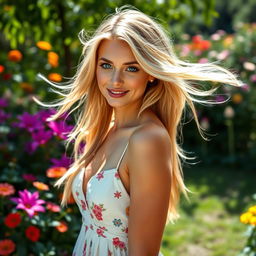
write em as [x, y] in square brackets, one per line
[120, 78]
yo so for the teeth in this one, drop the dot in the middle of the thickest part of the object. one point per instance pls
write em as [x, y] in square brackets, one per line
[117, 92]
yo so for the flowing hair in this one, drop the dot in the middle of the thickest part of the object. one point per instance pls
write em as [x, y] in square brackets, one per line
[172, 89]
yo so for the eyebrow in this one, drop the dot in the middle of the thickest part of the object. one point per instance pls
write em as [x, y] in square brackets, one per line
[126, 63]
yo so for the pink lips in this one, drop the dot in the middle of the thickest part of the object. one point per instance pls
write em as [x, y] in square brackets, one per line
[115, 95]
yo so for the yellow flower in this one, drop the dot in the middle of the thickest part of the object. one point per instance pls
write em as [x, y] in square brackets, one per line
[44, 45]
[237, 98]
[53, 59]
[228, 41]
[14, 55]
[253, 220]
[55, 77]
[252, 209]
[245, 217]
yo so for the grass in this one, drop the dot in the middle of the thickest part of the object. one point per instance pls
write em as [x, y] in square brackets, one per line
[209, 224]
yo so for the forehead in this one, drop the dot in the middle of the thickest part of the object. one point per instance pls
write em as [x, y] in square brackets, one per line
[114, 49]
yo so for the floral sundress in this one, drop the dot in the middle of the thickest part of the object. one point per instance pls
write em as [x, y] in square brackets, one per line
[105, 212]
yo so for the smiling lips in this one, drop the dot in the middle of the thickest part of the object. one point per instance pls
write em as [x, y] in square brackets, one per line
[116, 93]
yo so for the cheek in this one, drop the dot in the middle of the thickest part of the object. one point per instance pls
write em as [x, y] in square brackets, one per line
[101, 77]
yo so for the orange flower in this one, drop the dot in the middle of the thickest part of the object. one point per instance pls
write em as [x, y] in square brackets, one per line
[53, 59]
[14, 55]
[44, 45]
[6, 189]
[40, 185]
[62, 227]
[1, 69]
[33, 233]
[55, 172]
[55, 77]
[27, 87]
[12, 220]
[199, 44]
[237, 98]
[7, 247]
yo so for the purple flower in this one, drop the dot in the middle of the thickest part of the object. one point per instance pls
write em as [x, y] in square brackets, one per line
[41, 136]
[60, 128]
[63, 162]
[253, 78]
[31, 147]
[3, 116]
[29, 122]
[3, 102]
[220, 98]
[29, 202]
[44, 114]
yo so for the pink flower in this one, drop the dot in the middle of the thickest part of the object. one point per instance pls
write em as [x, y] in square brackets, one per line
[83, 204]
[100, 175]
[100, 232]
[253, 78]
[29, 177]
[97, 210]
[116, 241]
[29, 202]
[53, 207]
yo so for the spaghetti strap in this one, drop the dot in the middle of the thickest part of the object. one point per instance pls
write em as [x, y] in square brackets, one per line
[122, 155]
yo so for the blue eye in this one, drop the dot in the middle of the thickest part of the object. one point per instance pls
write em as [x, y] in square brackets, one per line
[132, 69]
[105, 65]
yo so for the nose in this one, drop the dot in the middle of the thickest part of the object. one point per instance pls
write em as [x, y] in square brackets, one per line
[117, 79]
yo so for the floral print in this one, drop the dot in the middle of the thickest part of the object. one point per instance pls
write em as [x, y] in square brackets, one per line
[97, 211]
[100, 175]
[117, 222]
[118, 244]
[117, 194]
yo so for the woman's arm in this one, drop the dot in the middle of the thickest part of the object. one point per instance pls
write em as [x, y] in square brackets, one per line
[150, 183]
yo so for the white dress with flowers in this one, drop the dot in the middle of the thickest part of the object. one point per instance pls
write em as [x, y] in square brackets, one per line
[105, 212]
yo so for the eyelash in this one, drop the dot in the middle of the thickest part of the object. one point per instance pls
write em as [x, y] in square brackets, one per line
[136, 69]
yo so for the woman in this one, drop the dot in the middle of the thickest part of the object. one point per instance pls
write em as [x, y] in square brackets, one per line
[131, 91]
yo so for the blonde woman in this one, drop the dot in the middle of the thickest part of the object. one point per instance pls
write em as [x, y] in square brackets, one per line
[131, 90]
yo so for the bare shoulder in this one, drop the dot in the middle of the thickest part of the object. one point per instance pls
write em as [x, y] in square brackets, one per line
[149, 138]
[149, 167]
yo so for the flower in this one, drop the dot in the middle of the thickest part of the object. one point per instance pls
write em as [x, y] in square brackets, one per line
[52, 207]
[245, 217]
[12, 220]
[6, 189]
[53, 59]
[249, 66]
[55, 172]
[253, 78]
[2, 69]
[62, 227]
[229, 112]
[252, 209]
[55, 77]
[29, 177]
[7, 76]
[3, 116]
[64, 161]
[199, 44]
[117, 194]
[253, 220]
[40, 185]
[14, 55]
[117, 222]
[60, 129]
[29, 122]
[3, 102]
[44, 45]
[32, 233]
[7, 247]
[29, 202]
[41, 136]
[27, 87]
[237, 98]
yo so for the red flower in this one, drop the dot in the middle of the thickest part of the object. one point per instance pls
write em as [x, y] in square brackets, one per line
[117, 194]
[1, 68]
[12, 220]
[7, 246]
[32, 233]
[7, 76]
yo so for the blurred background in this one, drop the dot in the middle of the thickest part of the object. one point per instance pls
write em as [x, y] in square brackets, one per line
[41, 36]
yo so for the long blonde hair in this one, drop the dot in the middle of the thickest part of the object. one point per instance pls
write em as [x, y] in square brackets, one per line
[167, 96]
